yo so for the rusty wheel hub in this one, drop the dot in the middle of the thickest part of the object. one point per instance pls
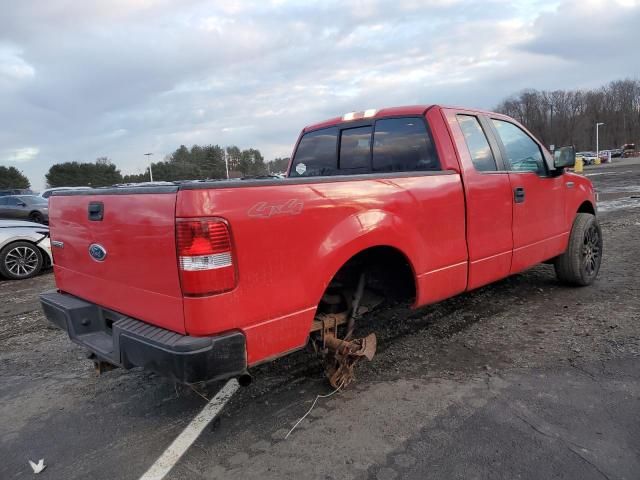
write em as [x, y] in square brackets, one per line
[341, 355]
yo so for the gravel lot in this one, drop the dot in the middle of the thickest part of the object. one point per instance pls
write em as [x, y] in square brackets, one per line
[520, 379]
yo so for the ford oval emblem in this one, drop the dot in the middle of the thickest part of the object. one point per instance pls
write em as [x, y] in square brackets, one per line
[97, 252]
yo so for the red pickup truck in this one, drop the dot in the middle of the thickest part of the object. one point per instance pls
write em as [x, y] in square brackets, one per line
[205, 279]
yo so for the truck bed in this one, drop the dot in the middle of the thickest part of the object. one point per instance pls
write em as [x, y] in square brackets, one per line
[290, 236]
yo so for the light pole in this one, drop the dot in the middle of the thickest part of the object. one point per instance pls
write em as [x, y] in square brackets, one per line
[598, 139]
[148, 155]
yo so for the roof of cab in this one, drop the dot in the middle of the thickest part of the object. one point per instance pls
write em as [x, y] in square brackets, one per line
[382, 113]
[399, 111]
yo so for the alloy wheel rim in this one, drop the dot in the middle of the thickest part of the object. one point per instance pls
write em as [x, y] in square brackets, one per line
[21, 261]
[591, 250]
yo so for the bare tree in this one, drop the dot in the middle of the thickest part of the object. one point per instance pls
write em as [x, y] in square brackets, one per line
[568, 117]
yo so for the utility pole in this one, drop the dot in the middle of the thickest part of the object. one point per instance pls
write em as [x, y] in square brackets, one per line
[598, 139]
[148, 155]
[226, 162]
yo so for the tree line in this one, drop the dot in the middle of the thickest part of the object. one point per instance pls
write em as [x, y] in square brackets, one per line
[197, 162]
[101, 173]
[569, 117]
[11, 177]
[210, 162]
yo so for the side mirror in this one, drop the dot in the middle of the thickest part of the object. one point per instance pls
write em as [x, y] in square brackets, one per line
[564, 157]
[22, 204]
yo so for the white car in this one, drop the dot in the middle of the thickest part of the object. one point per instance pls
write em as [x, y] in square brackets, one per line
[588, 158]
[25, 249]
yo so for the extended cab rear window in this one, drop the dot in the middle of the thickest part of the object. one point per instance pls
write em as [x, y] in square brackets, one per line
[403, 145]
[477, 143]
[389, 145]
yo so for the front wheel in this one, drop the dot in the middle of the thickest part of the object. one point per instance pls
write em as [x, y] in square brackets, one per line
[580, 264]
[20, 260]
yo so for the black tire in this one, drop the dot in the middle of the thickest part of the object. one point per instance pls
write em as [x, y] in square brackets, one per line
[36, 217]
[20, 260]
[580, 264]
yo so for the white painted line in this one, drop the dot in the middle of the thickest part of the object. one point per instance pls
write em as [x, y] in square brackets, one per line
[181, 444]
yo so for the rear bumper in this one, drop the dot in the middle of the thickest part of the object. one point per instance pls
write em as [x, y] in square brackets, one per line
[127, 343]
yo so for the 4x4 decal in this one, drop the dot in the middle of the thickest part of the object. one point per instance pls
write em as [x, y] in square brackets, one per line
[267, 210]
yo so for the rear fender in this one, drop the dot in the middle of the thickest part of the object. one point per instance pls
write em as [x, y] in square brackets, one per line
[359, 232]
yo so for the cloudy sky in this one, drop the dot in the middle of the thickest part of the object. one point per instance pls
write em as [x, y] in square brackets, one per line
[81, 79]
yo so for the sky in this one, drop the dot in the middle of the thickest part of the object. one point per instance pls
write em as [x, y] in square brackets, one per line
[85, 79]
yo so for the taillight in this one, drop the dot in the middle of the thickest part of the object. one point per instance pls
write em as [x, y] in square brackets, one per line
[205, 256]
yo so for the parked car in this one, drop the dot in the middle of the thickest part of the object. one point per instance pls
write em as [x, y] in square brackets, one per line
[629, 150]
[15, 191]
[24, 249]
[203, 280]
[49, 191]
[25, 207]
[588, 158]
[616, 153]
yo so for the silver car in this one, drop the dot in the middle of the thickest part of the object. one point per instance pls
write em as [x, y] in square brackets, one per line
[25, 249]
[25, 207]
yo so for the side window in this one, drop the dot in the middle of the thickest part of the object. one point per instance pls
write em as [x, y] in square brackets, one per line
[355, 150]
[403, 145]
[12, 202]
[316, 154]
[3, 201]
[477, 143]
[523, 154]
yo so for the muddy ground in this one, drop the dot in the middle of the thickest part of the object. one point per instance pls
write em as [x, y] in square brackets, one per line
[521, 379]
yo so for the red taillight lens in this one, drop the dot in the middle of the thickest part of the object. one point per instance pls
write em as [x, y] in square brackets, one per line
[205, 256]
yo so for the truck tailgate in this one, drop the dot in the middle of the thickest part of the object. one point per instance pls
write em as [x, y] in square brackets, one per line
[138, 275]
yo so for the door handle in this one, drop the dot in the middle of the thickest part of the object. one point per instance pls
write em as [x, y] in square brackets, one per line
[96, 211]
[518, 195]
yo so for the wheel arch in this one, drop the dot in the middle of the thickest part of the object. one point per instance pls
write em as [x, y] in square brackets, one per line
[46, 259]
[586, 207]
[400, 270]
[364, 232]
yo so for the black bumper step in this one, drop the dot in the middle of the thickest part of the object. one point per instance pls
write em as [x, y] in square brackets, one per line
[127, 342]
